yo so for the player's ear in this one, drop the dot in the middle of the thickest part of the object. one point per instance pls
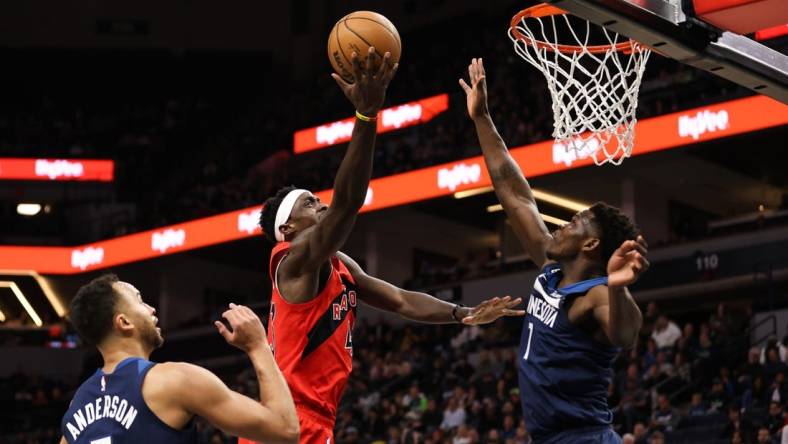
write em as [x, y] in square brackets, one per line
[122, 323]
[287, 229]
[591, 244]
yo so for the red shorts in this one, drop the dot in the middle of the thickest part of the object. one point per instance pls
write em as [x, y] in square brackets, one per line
[315, 429]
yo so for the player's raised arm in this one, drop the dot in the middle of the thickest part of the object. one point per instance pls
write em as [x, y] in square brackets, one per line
[273, 419]
[310, 251]
[422, 307]
[510, 185]
[615, 309]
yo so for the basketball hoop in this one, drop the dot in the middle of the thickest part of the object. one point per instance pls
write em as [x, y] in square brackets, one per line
[594, 88]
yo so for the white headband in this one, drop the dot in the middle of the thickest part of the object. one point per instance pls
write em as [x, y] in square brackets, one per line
[283, 213]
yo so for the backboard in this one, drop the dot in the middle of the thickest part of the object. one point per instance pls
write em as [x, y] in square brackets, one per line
[675, 30]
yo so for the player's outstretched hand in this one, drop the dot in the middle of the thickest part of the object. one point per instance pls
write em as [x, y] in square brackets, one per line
[476, 93]
[247, 332]
[627, 263]
[368, 89]
[492, 309]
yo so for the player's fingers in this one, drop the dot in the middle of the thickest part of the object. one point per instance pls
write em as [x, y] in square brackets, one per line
[340, 81]
[627, 246]
[248, 312]
[514, 312]
[232, 318]
[356, 64]
[468, 320]
[465, 86]
[223, 330]
[370, 57]
[391, 72]
[481, 67]
[384, 67]
[475, 67]
[642, 241]
[515, 303]
[479, 82]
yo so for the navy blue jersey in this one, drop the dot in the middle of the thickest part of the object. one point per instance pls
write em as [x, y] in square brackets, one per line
[109, 409]
[564, 372]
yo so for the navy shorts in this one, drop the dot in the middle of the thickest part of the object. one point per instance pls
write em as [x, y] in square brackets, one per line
[586, 435]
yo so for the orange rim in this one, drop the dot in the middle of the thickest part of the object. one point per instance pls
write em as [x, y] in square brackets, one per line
[546, 10]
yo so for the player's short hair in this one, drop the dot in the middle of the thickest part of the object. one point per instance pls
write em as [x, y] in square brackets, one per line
[92, 309]
[614, 227]
[268, 213]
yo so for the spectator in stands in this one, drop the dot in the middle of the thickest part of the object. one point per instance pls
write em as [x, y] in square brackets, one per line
[656, 438]
[493, 437]
[705, 346]
[764, 436]
[649, 319]
[721, 323]
[666, 333]
[777, 390]
[772, 343]
[688, 341]
[738, 438]
[727, 383]
[683, 369]
[753, 367]
[776, 419]
[665, 417]
[454, 415]
[431, 415]
[641, 433]
[717, 397]
[521, 435]
[634, 404]
[737, 424]
[773, 365]
[664, 365]
[508, 430]
[628, 438]
[650, 356]
[756, 395]
[414, 400]
[698, 406]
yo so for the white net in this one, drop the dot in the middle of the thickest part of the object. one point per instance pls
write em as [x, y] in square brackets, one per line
[594, 88]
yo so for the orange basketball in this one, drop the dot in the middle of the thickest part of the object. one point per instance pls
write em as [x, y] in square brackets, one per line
[358, 31]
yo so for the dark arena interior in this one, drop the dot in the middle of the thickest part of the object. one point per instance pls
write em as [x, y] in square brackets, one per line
[141, 139]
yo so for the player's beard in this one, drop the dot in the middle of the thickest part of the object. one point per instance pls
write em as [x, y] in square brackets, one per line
[152, 337]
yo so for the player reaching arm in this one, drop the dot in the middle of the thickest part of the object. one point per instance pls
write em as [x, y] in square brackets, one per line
[612, 306]
[273, 419]
[423, 307]
[510, 185]
[312, 249]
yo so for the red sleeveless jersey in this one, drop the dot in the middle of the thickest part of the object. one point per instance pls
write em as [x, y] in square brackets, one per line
[313, 341]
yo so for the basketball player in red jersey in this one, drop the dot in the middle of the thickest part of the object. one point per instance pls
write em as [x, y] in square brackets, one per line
[316, 288]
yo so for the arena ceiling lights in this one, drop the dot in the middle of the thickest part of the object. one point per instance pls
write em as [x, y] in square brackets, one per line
[22, 300]
[655, 134]
[554, 199]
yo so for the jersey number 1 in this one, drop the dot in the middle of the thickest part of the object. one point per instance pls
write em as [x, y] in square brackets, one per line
[107, 440]
[530, 335]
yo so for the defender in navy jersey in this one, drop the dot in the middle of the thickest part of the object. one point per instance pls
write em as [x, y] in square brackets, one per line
[579, 313]
[133, 400]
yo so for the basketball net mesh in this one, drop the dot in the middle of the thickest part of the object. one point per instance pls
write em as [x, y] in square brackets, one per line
[594, 94]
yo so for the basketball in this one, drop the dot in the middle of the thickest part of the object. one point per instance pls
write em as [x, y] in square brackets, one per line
[358, 31]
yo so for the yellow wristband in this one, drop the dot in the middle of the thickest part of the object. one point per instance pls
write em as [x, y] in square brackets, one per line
[364, 118]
